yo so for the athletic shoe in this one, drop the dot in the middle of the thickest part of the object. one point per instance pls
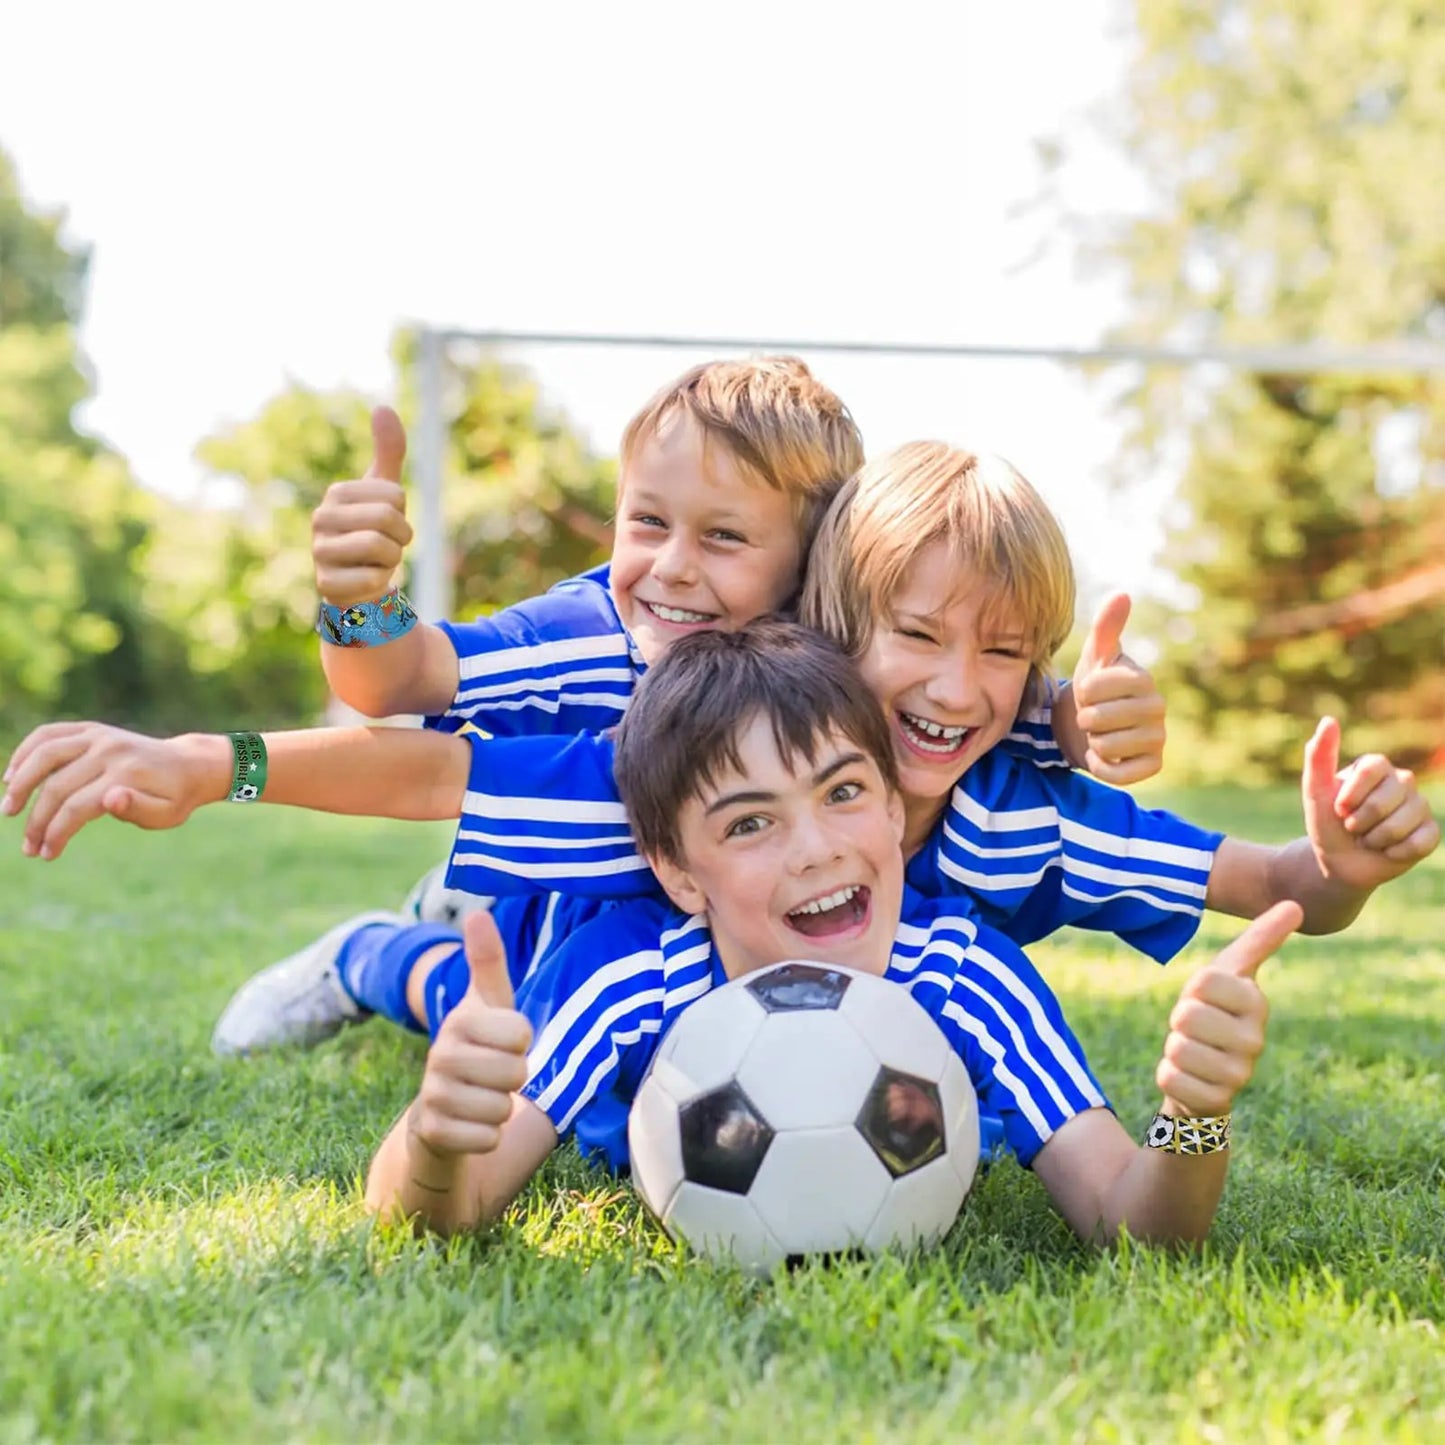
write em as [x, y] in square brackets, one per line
[297, 1002]
[431, 901]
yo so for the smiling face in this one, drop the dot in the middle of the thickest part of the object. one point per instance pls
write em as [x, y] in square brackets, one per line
[700, 544]
[949, 666]
[793, 859]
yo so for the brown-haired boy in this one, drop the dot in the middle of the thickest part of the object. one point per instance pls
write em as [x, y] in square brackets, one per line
[759, 776]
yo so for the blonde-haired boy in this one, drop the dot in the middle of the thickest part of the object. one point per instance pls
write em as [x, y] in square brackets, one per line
[724, 473]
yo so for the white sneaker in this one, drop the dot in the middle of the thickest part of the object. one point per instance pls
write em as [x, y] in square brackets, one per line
[431, 901]
[297, 1002]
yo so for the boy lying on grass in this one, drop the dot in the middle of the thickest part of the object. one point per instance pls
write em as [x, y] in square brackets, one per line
[760, 779]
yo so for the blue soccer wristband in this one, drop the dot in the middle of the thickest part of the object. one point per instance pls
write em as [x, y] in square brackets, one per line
[367, 624]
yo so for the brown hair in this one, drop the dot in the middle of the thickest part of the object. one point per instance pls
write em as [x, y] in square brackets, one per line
[995, 524]
[682, 727]
[776, 419]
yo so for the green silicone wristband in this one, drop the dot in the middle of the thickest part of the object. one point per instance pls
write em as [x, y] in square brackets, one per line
[248, 780]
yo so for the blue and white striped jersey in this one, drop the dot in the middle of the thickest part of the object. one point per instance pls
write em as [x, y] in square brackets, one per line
[559, 663]
[602, 1001]
[1033, 849]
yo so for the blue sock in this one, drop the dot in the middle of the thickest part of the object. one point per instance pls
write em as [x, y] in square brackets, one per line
[446, 988]
[376, 961]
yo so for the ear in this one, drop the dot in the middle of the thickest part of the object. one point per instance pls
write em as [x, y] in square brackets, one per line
[896, 815]
[678, 884]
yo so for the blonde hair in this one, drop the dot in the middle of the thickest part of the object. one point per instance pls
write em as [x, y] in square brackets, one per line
[776, 419]
[993, 521]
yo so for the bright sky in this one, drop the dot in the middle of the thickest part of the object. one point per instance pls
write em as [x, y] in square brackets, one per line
[270, 189]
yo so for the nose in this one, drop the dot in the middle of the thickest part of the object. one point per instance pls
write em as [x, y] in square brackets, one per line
[954, 685]
[675, 562]
[813, 845]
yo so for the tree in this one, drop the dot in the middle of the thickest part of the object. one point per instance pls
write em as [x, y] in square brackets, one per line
[71, 516]
[1296, 149]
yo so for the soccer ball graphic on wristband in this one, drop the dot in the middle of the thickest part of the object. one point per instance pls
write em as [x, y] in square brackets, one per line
[804, 1109]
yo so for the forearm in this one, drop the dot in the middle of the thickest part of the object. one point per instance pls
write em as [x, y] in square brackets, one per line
[1164, 1198]
[408, 675]
[1249, 878]
[1102, 1182]
[449, 1193]
[375, 772]
[408, 1181]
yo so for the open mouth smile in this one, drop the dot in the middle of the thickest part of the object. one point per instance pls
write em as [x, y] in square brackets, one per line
[933, 740]
[844, 911]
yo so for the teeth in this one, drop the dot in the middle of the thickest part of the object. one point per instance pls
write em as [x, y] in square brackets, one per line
[678, 614]
[833, 900]
[946, 740]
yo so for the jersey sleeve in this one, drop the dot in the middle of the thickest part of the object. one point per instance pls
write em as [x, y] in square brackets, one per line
[543, 814]
[1036, 850]
[1031, 738]
[557, 663]
[596, 1004]
[1008, 1028]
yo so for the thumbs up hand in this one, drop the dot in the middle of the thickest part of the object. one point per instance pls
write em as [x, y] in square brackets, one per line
[1119, 709]
[1216, 1030]
[359, 531]
[1367, 823]
[479, 1059]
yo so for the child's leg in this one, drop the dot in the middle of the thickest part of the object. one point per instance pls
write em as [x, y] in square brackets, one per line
[377, 962]
[438, 982]
[357, 969]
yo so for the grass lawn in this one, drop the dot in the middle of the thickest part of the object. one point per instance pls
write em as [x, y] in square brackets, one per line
[184, 1255]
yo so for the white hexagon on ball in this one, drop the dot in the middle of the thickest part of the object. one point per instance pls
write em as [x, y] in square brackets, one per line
[716, 1223]
[707, 1043]
[819, 1190]
[781, 1072]
[654, 1144]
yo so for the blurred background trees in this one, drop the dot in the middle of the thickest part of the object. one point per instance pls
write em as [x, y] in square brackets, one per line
[1296, 153]
[123, 605]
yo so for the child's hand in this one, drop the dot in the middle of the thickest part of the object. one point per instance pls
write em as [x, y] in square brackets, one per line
[479, 1059]
[1216, 1030]
[80, 771]
[1367, 824]
[1119, 709]
[359, 531]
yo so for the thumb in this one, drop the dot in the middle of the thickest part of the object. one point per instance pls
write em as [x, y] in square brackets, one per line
[142, 809]
[487, 960]
[1261, 939]
[1105, 640]
[388, 444]
[1322, 760]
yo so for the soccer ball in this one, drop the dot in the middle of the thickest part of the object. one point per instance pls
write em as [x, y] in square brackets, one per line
[804, 1109]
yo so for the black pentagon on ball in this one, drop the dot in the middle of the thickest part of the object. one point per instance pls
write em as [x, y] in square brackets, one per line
[902, 1118]
[724, 1139]
[796, 986]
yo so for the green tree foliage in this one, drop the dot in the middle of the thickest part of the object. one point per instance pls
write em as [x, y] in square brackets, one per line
[1297, 152]
[71, 518]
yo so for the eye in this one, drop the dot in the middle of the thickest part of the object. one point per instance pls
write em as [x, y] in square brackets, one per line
[745, 827]
[724, 534]
[844, 792]
[1011, 651]
[915, 634]
[648, 519]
